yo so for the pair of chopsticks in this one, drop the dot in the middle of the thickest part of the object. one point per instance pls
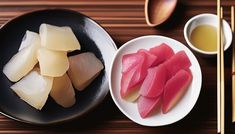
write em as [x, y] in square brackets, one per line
[220, 72]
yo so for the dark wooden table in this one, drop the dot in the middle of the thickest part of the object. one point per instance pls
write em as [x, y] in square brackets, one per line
[124, 20]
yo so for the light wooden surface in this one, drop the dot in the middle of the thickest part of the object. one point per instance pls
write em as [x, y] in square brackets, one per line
[233, 65]
[124, 20]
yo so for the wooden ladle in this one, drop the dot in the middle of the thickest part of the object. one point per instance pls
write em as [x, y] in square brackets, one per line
[158, 11]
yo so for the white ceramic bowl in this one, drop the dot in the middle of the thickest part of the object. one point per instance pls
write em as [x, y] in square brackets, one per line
[183, 107]
[209, 19]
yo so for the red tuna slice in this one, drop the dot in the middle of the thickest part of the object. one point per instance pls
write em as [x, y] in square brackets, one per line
[175, 89]
[154, 82]
[134, 77]
[129, 61]
[150, 57]
[146, 105]
[163, 52]
[177, 62]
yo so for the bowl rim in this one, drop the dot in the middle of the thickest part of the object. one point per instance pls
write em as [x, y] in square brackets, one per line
[110, 79]
[194, 18]
[75, 116]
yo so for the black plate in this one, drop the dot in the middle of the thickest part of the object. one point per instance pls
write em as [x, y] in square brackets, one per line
[92, 38]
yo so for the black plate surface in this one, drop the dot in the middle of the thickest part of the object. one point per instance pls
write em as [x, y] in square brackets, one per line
[92, 38]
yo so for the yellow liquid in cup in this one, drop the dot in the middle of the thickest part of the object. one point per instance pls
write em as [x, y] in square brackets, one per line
[204, 37]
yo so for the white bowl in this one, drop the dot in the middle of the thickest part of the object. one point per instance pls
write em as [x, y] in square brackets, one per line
[209, 19]
[183, 107]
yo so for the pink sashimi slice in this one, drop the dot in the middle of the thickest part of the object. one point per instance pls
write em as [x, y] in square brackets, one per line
[129, 61]
[163, 52]
[150, 57]
[133, 95]
[134, 77]
[146, 105]
[175, 89]
[177, 62]
[154, 82]
[141, 71]
[126, 87]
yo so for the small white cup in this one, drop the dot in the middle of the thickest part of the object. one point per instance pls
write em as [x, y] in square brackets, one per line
[209, 19]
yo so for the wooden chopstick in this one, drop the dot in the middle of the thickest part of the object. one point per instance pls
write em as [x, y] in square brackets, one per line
[232, 18]
[222, 73]
[233, 66]
[218, 70]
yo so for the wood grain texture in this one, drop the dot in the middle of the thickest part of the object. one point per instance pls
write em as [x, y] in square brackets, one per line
[124, 20]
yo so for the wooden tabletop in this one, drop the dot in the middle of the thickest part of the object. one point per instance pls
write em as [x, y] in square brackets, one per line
[124, 20]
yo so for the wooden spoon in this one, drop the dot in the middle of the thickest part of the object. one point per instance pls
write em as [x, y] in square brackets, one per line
[158, 11]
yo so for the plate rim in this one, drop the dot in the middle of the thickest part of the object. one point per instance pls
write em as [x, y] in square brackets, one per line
[110, 80]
